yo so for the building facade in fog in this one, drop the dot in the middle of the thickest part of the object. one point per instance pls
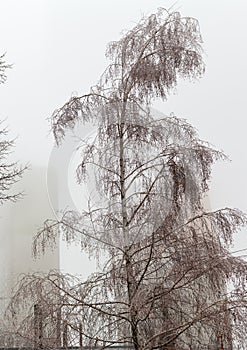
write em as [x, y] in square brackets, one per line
[18, 224]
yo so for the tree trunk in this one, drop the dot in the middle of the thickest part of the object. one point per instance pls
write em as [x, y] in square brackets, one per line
[129, 268]
[38, 327]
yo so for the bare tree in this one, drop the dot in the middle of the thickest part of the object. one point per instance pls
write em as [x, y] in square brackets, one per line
[10, 172]
[170, 281]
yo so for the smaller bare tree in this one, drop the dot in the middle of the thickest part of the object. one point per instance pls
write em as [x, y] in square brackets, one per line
[10, 174]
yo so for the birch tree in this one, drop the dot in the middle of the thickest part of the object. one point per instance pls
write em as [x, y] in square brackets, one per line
[165, 281]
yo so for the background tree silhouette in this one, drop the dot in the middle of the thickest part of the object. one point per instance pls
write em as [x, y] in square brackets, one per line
[164, 283]
[10, 172]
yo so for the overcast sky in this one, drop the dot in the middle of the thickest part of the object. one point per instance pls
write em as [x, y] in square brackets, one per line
[57, 47]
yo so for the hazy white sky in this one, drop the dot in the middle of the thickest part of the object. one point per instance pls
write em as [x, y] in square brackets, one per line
[57, 47]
